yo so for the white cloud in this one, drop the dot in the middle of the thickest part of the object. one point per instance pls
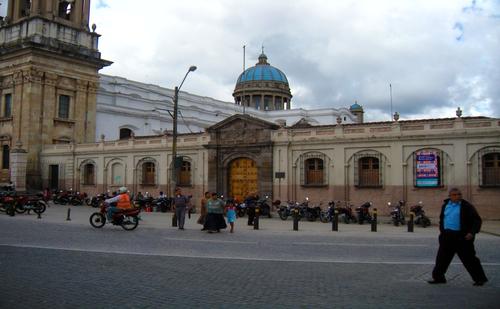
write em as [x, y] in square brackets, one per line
[333, 52]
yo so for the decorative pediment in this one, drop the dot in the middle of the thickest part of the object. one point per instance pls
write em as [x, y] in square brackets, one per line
[302, 123]
[242, 122]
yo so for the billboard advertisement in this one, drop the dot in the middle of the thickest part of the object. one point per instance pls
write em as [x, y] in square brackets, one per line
[427, 168]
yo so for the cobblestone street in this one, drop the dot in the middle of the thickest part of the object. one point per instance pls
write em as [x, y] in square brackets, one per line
[53, 263]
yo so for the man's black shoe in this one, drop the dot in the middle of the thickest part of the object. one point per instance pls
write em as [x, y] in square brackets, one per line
[433, 281]
[479, 283]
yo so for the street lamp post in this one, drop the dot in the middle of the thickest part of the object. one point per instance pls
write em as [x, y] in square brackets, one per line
[174, 137]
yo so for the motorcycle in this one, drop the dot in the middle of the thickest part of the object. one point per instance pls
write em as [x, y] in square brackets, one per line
[163, 204]
[8, 203]
[363, 213]
[77, 198]
[62, 197]
[95, 201]
[346, 213]
[241, 209]
[397, 215]
[28, 203]
[420, 217]
[265, 209]
[312, 213]
[128, 219]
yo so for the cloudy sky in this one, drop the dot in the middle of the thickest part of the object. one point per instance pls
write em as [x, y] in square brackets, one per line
[436, 54]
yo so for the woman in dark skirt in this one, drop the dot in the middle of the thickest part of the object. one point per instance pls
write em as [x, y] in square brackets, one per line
[214, 221]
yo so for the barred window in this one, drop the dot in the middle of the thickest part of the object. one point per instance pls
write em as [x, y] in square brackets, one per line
[313, 169]
[63, 111]
[368, 169]
[148, 173]
[369, 172]
[491, 169]
[89, 174]
[314, 172]
[184, 176]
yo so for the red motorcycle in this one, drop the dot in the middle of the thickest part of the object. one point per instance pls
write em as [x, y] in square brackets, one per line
[128, 219]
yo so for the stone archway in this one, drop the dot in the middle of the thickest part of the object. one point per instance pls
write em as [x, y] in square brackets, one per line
[243, 178]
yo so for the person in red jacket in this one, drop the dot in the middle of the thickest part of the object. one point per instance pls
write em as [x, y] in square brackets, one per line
[122, 201]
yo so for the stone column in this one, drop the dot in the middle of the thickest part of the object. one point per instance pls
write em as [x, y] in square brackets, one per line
[18, 163]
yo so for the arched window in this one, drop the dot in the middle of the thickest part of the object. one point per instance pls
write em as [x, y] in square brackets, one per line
[125, 133]
[117, 174]
[65, 9]
[369, 172]
[184, 176]
[428, 169]
[148, 173]
[89, 174]
[491, 169]
[314, 171]
[5, 157]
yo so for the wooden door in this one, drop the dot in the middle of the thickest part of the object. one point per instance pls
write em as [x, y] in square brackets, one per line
[242, 178]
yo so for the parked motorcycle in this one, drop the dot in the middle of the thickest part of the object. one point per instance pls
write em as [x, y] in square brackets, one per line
[363, 213]
[61, 197]
[312, 213]
[8, 203]
[347, 213]
[420, 217]
[265, 209]
[241, 209]
[327, 215]
[397, 215]
[128, 219]
[27, 203]
[163, 204]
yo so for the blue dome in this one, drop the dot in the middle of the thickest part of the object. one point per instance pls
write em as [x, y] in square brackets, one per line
[356, 106]
[262, 71]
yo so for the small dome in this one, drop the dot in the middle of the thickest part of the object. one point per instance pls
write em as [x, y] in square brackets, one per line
[262, 71]
[356, 107]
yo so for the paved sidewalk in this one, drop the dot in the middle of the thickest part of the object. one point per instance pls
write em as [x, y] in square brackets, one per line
[81, 214]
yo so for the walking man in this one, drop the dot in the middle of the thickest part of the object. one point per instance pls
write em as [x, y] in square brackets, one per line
[181, 202]
[458, 224]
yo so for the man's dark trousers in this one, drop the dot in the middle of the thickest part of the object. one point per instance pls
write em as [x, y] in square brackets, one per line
[451, 242]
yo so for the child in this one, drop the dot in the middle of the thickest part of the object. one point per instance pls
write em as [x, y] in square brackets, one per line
[231, 215]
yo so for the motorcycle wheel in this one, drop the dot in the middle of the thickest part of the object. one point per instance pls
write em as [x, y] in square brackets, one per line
[241, 212]
[56, 201]
[323, 217]
[75, 202]
[97, 220]
[88, 201]
[129, 223]
[425, 222]
[40, 207]
[283, 215]
[20, 209]
[310, 217]
[10, 211]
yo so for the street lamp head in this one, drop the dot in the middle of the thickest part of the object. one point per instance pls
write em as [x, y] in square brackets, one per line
[192, 68]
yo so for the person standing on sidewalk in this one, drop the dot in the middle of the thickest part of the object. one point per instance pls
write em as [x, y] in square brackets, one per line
[203, 209]
[181, 202]
[458, 224]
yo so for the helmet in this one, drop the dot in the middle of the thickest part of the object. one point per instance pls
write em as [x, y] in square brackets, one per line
[122, 190]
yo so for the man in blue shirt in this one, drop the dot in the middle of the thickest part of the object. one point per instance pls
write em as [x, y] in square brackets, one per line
[458, 223]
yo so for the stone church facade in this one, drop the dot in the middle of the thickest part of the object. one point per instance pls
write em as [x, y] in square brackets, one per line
[348, 162]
